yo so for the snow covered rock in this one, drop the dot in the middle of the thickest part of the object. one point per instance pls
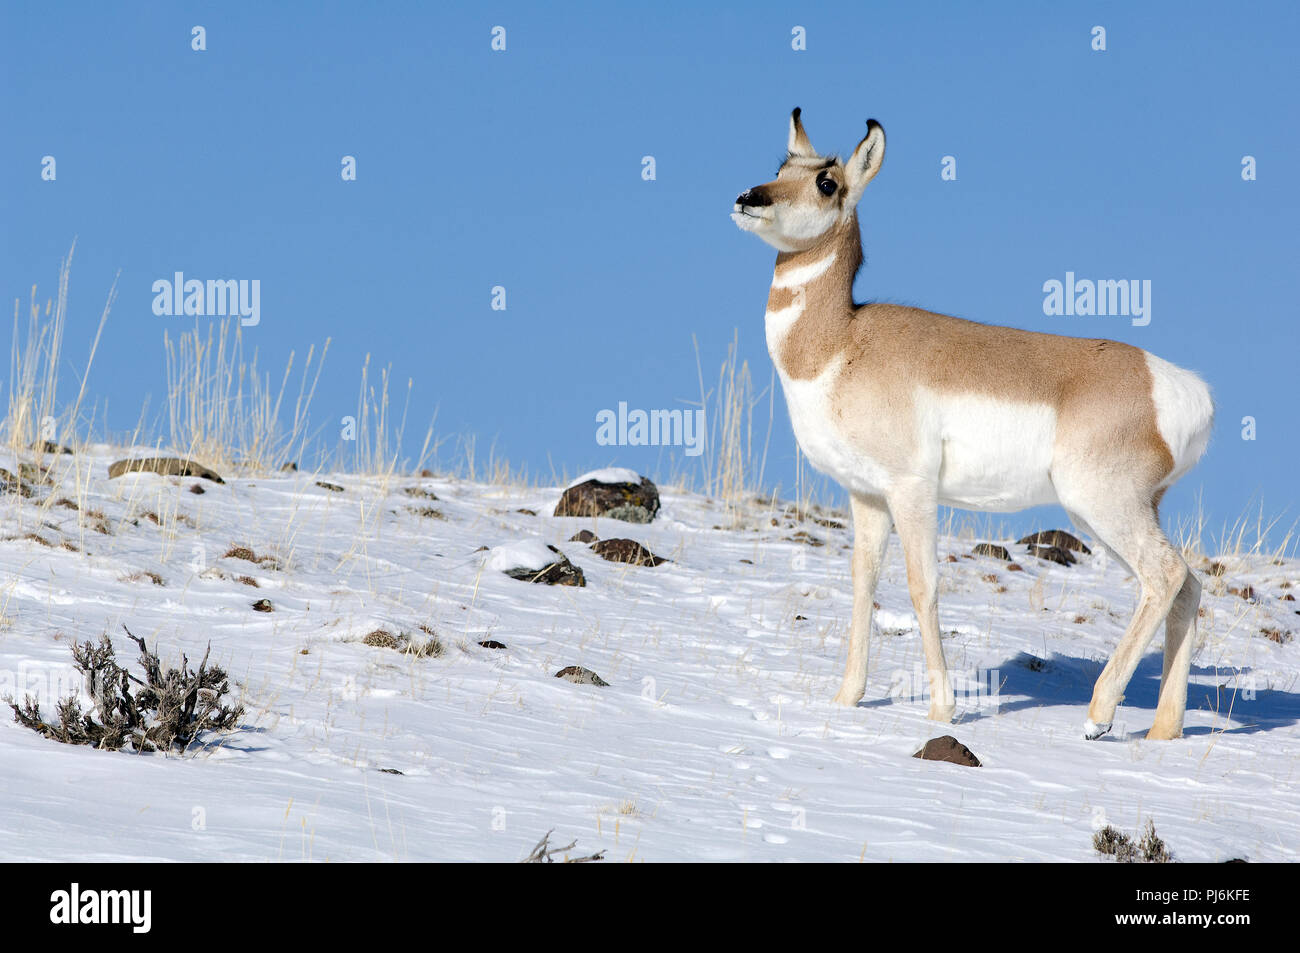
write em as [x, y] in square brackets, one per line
[992, 549]
[1056, 537]
[613, 493]
[581, 676]
[531, 560]
[626, 551]
[164, 466]
[1053, 554]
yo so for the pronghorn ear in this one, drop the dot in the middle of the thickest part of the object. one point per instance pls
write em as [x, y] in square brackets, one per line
[865, 161]
[799, 144]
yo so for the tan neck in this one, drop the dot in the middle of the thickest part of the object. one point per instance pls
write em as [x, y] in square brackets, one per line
[811, 303]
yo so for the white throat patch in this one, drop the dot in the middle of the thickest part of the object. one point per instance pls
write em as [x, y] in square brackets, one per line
[777, 324]
[794, 277]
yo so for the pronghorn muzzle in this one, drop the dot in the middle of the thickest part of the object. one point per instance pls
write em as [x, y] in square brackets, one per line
[753, 198]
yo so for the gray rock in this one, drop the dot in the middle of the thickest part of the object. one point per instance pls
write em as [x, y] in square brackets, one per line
[581, 676]
[630, 502]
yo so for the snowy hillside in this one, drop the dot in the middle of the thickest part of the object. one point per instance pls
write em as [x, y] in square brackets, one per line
[715, 738]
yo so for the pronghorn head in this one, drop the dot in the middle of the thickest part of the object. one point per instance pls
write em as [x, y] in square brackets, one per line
[811, 193]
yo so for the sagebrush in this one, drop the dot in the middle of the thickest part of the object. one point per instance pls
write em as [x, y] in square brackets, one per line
[169, 710]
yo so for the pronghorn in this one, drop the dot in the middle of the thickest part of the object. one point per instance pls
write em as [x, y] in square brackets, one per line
[910, 410]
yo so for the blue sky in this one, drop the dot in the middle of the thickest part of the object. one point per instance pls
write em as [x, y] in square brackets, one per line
[523, 169]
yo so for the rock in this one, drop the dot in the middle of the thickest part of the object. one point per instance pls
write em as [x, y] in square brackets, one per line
[383, 639]
[289, 467]
[1243, 592]
[803, 536]
[332, 487]
[1056, 537]
[197, 489]
[13, 484]
[389, 771]
[33, 473]
[581, 676]
[583, 536]
[263, 605]
[533, 561]
[947, 748]
[492, 644]
[1053, 554]
[626, 551]
[49, 446]
[992, 549]
[163, 466]
[560, 573]
[628, 501]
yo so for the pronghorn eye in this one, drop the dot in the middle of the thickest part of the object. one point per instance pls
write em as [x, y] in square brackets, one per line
[826, 187]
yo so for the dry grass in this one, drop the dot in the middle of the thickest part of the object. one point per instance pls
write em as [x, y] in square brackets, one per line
[734, 466]
[1251, 534]
[224, 411]
[34, 416]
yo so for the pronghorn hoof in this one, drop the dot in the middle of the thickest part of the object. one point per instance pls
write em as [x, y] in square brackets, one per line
[1092, 731]
[1163, 734]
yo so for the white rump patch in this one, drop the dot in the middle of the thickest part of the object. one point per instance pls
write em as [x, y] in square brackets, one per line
[1184, 413]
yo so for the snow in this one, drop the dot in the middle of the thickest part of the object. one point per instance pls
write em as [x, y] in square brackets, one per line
[715, 740]
[522, 554]
[609, 475]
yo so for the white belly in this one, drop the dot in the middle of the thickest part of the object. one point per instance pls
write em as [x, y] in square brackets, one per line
[993, 455]
[985, 454]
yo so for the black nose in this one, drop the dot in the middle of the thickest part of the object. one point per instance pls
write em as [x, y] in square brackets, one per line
[753, 198]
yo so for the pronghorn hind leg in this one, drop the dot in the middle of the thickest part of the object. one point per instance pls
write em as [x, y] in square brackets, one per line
[1180, 641]
[916, 514]
[871, 525]
[1133, 533]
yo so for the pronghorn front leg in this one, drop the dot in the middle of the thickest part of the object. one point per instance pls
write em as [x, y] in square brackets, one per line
[871, 525]
[916, 514]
